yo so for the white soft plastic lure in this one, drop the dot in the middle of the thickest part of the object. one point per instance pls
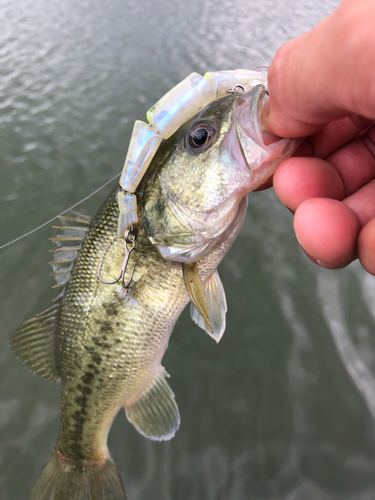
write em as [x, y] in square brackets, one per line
[165, 117]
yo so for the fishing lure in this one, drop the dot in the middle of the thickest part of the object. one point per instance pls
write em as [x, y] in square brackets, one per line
[165, 117]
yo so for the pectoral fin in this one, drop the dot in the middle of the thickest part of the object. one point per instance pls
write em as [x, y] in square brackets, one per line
[155, 413]
[197, 293]
[217, 307]
[33, 344]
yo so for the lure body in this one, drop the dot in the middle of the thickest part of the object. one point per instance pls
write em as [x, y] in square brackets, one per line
[174, 109]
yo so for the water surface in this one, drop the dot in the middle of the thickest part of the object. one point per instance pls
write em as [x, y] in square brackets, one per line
[284, 406]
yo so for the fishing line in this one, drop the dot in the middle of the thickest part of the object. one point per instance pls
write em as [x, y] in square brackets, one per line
[97, 190]
[62, 213]
[251, 50]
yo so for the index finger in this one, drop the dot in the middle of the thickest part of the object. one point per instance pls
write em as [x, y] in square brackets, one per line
[332, 136]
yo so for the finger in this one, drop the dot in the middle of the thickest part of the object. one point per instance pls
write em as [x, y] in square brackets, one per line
[345, 173]
[362, 203]
[327, 230]
[366, 247]
[355, 162]
[313, 79]
[332, 136]
[298, 179]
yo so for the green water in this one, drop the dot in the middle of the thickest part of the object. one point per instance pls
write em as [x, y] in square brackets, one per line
[284, 406]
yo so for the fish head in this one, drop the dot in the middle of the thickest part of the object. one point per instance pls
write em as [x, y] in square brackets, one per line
[199, 175]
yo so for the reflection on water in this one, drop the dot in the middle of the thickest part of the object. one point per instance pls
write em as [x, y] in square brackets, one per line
[353, 357]
[283, 407]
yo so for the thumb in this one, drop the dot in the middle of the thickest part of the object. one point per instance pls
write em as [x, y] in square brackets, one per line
[324, 74]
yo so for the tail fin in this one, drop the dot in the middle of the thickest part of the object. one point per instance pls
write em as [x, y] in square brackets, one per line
[63, 479]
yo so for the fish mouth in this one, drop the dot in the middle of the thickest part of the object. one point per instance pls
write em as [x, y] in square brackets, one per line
[248, 116]
[245, 137]
[253, 146]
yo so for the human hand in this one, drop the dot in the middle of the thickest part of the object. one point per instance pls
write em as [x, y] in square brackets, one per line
[323, 83]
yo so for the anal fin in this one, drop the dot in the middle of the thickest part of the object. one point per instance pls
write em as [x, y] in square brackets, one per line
[217, 307]
[33, 344]
[155, 413]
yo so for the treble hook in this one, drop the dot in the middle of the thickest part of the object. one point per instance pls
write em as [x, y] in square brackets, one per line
[128, 251]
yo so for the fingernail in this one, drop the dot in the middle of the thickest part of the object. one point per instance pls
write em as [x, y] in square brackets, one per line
[319, 262]
[265, 113]
[311, 257]
[323, 264]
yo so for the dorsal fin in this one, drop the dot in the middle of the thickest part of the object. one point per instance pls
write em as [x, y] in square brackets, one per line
[78, 217]
[68, 243]
[34, 341]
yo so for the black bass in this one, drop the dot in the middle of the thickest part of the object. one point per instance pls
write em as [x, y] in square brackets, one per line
[106, 342]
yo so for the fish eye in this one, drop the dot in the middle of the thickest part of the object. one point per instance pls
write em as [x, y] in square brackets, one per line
[200, 135]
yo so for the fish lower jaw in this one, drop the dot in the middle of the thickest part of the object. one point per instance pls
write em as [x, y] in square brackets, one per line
[278, 152]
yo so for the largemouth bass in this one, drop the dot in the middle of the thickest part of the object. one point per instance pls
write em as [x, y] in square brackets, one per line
[106, 342]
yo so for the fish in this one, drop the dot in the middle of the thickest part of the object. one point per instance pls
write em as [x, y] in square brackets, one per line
[105, 336]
